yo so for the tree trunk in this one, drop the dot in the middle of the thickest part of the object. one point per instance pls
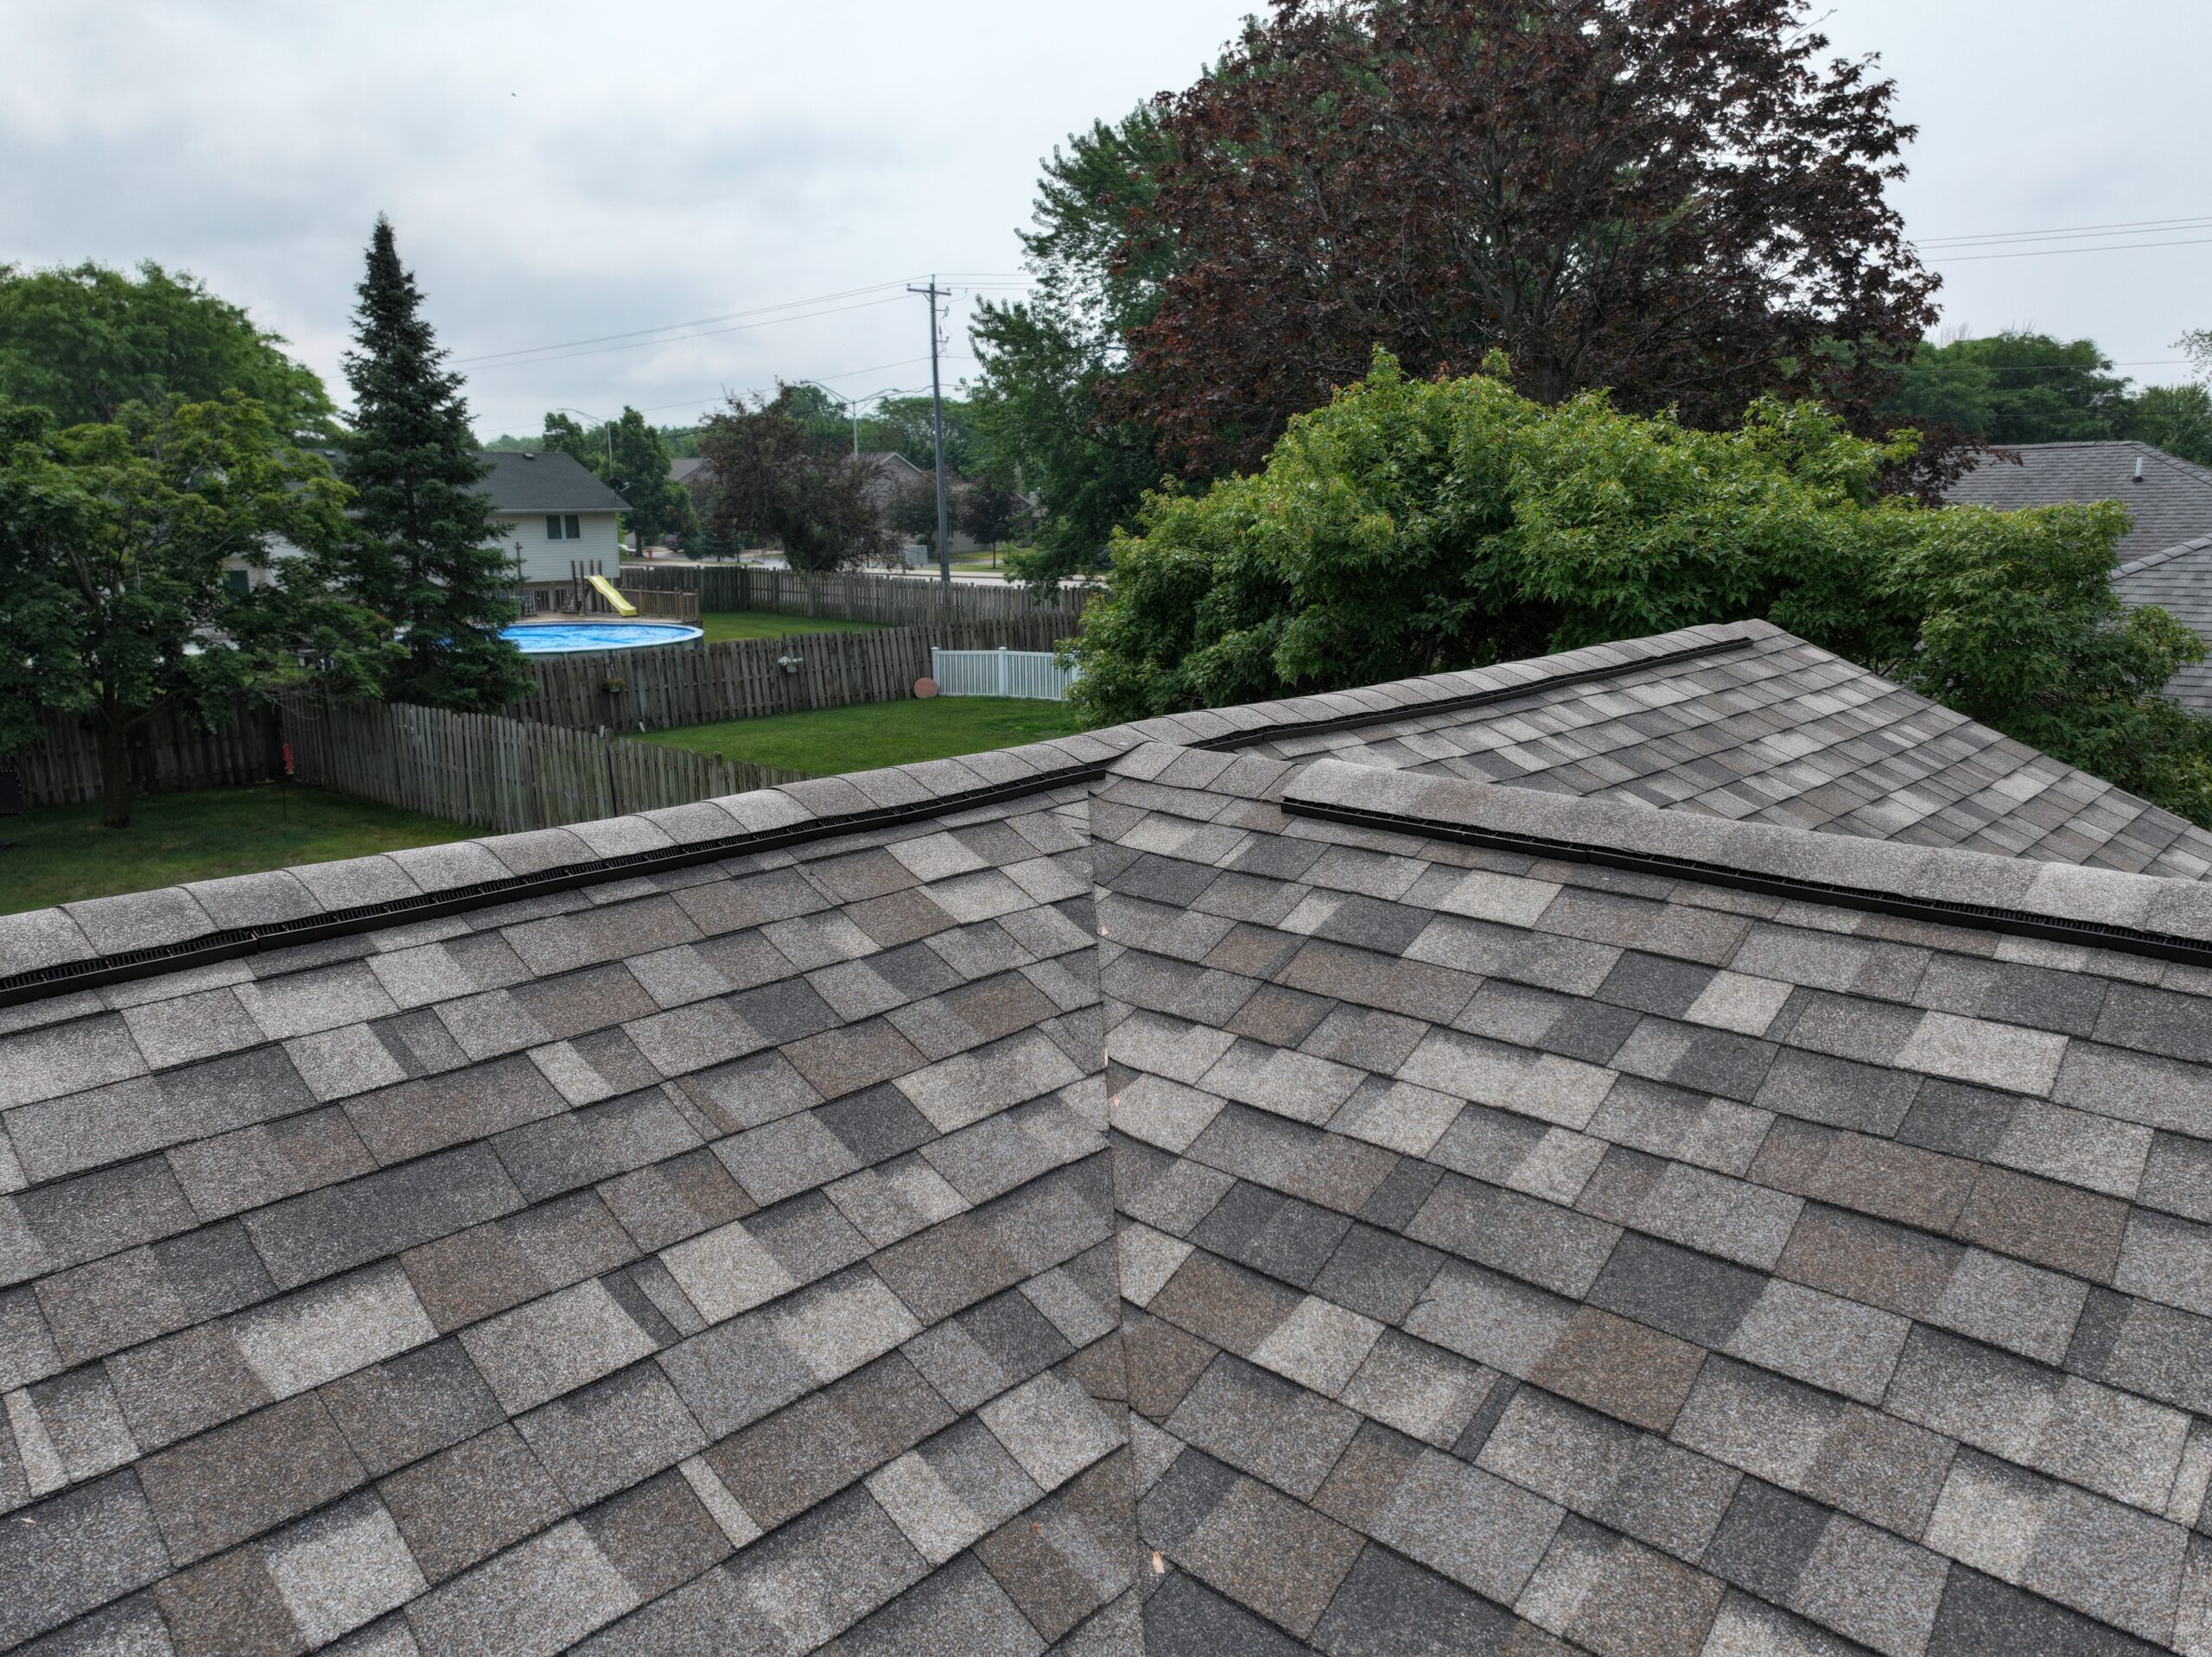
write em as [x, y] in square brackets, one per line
[115, 775]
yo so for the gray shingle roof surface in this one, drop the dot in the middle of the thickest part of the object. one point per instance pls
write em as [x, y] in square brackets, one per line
[722, 1256]
[2170, 504]
[550, 481]
[1124, 1216]
[2179, 580]
[1572, 1260]
[1782, 733]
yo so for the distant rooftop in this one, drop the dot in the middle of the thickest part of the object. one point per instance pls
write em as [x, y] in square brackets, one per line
[2178, 580]
[549, 481]
[2171, 503]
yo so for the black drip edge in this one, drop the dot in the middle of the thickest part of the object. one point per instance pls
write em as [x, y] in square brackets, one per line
[1942, 911]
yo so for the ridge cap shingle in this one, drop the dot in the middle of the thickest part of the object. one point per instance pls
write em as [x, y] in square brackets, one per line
[2059, 891]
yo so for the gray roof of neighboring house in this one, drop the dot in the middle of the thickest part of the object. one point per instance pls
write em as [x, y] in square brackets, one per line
[2171, 503]
[1133, 1192]
[550, 480]
[890, 463]
[2178, 579]
[888, 472]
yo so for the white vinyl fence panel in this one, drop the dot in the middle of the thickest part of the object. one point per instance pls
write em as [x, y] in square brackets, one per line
[1036, 675]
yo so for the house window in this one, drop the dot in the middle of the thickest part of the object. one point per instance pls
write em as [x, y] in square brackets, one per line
[237, 582]
[559, 527]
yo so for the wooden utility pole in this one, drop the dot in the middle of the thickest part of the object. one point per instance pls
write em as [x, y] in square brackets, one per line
[933, 293]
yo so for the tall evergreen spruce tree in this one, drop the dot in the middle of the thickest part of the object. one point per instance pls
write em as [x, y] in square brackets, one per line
[428, 557]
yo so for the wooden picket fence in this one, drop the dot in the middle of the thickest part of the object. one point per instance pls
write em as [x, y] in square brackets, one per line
[169, 752]
[501, 774]
[671, 606]
[853, 595]
[699, 683]
[618, 691]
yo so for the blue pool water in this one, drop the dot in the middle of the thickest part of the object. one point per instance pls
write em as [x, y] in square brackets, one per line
[550, 638]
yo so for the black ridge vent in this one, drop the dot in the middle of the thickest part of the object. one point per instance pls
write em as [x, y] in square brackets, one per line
[229, 944]
[2163, 946]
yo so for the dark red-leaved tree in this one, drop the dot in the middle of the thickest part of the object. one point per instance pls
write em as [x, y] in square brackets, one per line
[1673, 198]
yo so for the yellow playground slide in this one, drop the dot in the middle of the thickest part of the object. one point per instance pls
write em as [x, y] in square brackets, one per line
[612, 594]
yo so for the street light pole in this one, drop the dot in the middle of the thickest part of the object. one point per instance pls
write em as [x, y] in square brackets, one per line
[852, 409]
[607, 426]
[853, 405]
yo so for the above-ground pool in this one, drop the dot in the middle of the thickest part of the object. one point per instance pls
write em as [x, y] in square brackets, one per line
[548, 637]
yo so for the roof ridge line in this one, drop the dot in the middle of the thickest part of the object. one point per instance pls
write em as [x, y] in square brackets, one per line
[2164, 555]
[229, 943]
[2137, 914]
[1344, 710]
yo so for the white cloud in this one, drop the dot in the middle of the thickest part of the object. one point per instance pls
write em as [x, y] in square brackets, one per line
[558, 171]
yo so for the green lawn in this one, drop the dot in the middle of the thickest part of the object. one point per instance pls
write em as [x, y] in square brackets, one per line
[59, 853]
[762, 624]
[832, 739]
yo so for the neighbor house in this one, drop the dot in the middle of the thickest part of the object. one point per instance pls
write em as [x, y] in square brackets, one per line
[552, 514]
[2169, 498]
[2178, 580]
[1679, 1149]
[2165, 558]
[891, 474]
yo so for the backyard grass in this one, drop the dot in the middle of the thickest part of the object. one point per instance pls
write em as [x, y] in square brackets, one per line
[57, 854]
[719, 625]
[832, 739]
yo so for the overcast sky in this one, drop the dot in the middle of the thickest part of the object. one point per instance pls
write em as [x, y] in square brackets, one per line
[559, 174]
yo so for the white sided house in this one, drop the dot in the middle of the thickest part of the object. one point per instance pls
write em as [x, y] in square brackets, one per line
[552, 515]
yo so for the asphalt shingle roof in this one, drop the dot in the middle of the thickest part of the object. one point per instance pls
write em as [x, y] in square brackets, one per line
[1780, 732]
[548, 481]
[2170, 503]
[2179, 580]
[1130, 1195]
[1579, 1261]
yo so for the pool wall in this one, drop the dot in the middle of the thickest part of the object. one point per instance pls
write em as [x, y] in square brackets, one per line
[583, 637]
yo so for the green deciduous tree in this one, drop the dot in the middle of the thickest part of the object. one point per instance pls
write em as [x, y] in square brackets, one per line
[2176, 418]
[1049, 360]
[426, 552]
[659, 506]
[2019, 627]
[566, 434]
[114, 605]
[2014, 387]
[1420, 526]
[82, 342]
[777, 476]
[904, 426]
